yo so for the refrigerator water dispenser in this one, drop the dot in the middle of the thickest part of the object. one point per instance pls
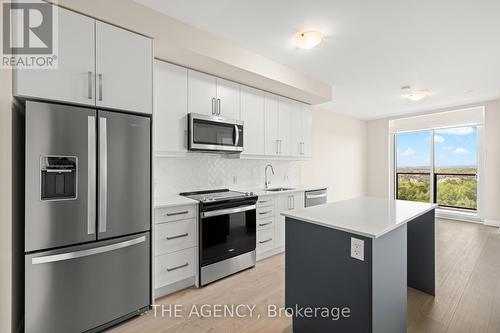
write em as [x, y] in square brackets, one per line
[58, 177]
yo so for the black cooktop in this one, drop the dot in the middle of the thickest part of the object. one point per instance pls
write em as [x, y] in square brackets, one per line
[217, 195]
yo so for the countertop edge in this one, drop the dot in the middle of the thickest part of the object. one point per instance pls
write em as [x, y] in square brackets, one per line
[357, 232]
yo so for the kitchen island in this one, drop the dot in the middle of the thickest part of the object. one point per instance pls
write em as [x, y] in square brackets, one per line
[348, 264]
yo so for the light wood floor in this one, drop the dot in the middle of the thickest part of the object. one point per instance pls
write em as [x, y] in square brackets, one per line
[467, 300]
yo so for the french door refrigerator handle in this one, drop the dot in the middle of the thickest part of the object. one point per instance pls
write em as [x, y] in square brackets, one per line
[91, 176]
[103, 174]
[86, 253]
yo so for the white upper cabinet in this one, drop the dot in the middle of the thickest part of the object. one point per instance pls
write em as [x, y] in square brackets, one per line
[271, 124]
[296, 128]
[73, 80]
[307, 119]
[170, 109]
[213, 96]
[253, 116]
[124, 70]
[284, 126]
[228, 99]
[98, 65]
[202, 96]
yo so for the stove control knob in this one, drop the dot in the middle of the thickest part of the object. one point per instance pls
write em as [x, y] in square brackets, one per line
[204, 199]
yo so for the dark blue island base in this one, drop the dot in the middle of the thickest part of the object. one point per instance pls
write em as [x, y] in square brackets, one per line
[321, 275]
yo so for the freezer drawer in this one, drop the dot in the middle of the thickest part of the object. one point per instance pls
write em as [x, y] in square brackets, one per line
[83, 287]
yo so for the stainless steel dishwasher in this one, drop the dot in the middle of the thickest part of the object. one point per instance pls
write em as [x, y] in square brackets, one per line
[316, 197]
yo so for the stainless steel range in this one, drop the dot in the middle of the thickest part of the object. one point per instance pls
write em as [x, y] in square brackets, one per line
[227, 228]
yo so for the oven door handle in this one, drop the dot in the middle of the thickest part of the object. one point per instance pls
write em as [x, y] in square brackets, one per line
[227, 211]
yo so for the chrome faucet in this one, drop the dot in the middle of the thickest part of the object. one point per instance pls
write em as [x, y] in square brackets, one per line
[265, 171]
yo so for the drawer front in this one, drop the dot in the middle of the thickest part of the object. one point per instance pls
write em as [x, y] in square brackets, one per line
[265, 240]
[265, 223]
[175, 267]
[175, 236]
[175, 213]
[265, 212]
[265, 201]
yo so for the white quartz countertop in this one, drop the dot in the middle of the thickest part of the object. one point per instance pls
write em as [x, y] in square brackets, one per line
[366, 216]
[178, 200]
[173, 201]
[294, 188]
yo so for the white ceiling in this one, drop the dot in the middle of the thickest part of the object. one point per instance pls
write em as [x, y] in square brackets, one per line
[451, 47]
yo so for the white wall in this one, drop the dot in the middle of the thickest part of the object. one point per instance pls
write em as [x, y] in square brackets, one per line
[378, 162]
[339, 155]
[491, 174]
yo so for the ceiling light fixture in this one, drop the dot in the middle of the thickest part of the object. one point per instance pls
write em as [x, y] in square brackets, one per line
[308, 39]
[415, 95]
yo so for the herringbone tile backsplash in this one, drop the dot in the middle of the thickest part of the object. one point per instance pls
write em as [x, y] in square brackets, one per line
[198, 171]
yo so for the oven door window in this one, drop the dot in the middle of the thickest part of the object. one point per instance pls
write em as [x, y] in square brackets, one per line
[227, 236]
[213, 133]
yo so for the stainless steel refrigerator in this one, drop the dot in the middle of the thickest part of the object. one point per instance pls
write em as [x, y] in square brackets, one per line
[87, 217]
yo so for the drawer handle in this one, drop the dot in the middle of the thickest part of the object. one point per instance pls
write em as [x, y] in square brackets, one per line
[178, 236]
[265, 241]
[266, 212]
[178, 213]
[264, 201]
[263, 224]
[177, 267]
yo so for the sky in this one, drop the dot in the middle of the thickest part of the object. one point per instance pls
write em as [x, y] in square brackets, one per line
[452, 147]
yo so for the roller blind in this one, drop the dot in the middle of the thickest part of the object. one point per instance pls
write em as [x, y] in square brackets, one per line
[470, 116]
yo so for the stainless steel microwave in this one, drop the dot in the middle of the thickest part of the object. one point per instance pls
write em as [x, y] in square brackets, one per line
[212, 133]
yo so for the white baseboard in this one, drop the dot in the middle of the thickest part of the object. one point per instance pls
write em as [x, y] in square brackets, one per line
[491, 223]
[270, 253]
[174, 287]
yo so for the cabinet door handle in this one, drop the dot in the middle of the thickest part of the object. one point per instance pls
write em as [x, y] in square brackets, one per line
[100, 86]
[277, 147]
[266, 212]
[265, 241]
[178, 236]
[177, 267]
[177, 213]
[218, 106]
[214, 111]
[89, 78]
[263, 224]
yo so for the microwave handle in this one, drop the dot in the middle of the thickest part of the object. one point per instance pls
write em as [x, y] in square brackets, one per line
[237, 135]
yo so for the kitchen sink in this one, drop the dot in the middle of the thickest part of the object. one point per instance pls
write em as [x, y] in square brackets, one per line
[279, 189]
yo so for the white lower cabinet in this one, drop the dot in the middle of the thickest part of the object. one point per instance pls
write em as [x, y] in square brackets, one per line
[175, 236]
[265, 240]
[175, 248]
[270, 223]
[175, 267]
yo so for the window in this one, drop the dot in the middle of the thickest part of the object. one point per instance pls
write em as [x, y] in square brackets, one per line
[413, 166]
[438, 166]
